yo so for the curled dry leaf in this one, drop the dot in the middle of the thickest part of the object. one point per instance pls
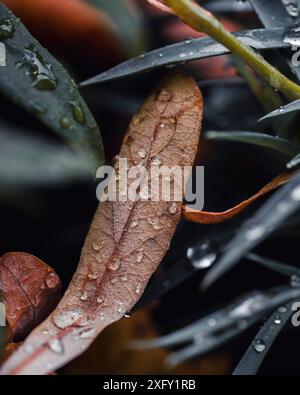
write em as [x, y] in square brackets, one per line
[31, 290]
[126, 241]
[206, 217]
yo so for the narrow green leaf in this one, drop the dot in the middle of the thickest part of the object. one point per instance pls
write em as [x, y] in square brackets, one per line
[33, 79]
[188, 50]
[281, 268]
[290, 107]
[255, 138]
[261, 345]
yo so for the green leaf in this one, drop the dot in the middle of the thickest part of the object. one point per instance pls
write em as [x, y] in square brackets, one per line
[199, 48]
[260, 139]
[278, 267]
[252, 360]
[290, 107]
[35, 80]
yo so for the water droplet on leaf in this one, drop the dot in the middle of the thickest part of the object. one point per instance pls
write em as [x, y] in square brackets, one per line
[259, 345]
[40, 71]
[77, 111]
[56, 346]
[6, 29]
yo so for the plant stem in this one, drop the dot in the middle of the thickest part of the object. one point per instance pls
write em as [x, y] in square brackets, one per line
[201, 20]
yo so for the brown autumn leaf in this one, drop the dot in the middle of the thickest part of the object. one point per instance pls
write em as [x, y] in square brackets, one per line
[31, 290]
[206, 217]
[126, 241]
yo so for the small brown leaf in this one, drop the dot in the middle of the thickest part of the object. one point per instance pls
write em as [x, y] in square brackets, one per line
[126, 241]
[206, 217]
[31, 290]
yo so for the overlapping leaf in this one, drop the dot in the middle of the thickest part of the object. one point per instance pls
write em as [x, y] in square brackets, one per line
[33, 79]
[188, 50]
[127, 240]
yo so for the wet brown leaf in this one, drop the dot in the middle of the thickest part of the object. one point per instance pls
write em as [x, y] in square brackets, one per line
[126, 241]
[31, 290]
[206, 217]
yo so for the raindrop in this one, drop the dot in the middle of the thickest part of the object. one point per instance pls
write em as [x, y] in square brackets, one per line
[84, 296]
[295, 280]
[173, 208]
[124, 278]
[93, 275]
[40, 72]
[164, 95]
[282, 309]
[77, 111]
[259, 345]
[114, 280]
[156, 161]
[188, 41]
[201, 257]
[255, 233]
[67, 318]
[139, 256]
[282, 207]
[134, 223]
[161, 55]
[138, 289]
[142, 153]
[96, 245]
[100, 300]
[127, 314]
[248, 305]
[114, 264]
[277, 320]
[295, 195]
[182, 55]
[65, 122]
[6, 29]
[56, 346]
[155, 223]
[212, 322]
[162, 125]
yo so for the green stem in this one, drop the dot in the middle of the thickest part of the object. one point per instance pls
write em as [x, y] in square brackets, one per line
[201, 20]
